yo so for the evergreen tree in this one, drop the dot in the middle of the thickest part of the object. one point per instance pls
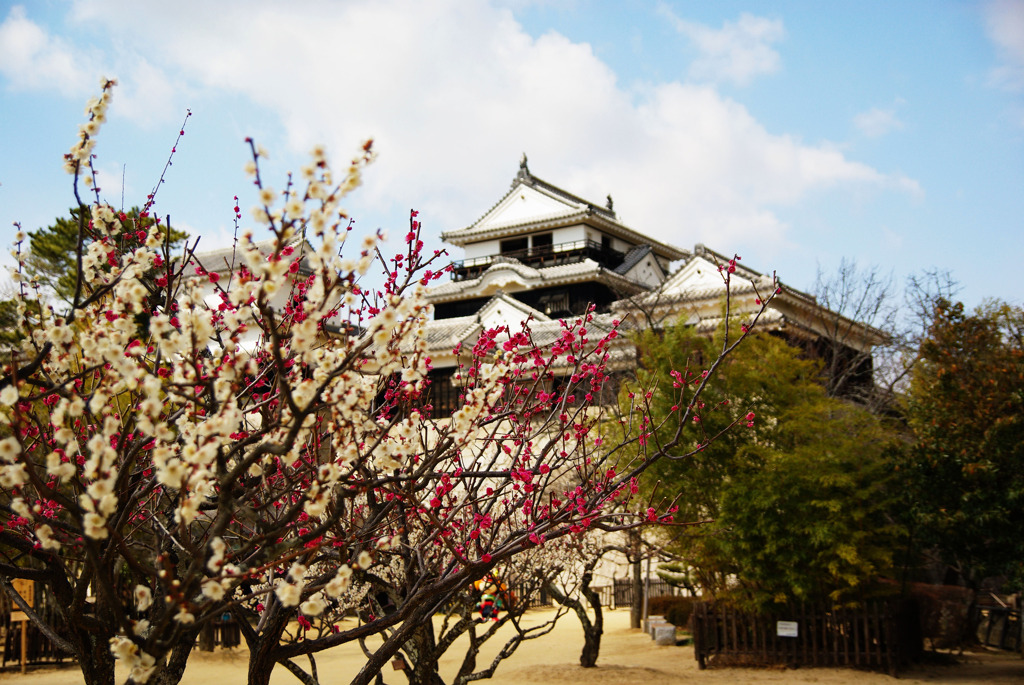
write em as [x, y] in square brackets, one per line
[53, 251]
[9, 334]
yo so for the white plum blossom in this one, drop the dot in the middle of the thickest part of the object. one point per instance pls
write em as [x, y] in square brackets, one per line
[143, 597]
[297, 572]
[9, 395]
[9, 450]
[341, 582]
[21, 508]
[314, 606]
[140, 663]
[184, 616]
[13, 475]
[217, 548]
[213, 589]
[46, 539]
[288, 593]
[95, 526]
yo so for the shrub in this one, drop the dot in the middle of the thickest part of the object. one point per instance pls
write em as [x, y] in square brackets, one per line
[675, 609]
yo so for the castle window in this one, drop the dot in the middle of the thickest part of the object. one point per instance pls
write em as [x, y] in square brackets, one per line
[555, 304]
[514, 245]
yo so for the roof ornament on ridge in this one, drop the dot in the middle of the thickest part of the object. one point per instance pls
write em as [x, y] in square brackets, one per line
[524, 172]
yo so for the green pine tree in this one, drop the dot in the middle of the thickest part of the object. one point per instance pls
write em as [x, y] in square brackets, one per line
[53, 250]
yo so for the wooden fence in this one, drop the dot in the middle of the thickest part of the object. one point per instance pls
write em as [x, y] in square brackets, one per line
[533, 596]
[620, 593]
[881, 635]
[998, 627]
[38, 648]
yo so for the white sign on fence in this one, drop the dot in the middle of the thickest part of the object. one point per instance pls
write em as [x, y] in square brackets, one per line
[787, 629]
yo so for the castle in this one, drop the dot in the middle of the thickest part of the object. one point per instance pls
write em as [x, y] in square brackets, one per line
[543, 253]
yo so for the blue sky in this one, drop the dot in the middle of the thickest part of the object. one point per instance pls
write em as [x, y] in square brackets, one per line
[793, 133]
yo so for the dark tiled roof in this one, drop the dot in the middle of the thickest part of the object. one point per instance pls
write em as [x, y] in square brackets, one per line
[441, 332]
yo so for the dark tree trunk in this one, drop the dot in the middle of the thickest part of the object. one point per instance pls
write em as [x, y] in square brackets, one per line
[402, 636]
[262, 645]
[91, 649]
[421, 649]
[592, 630]
[469, 660]
[96, 661]
[591, 649]
[592, 637]
[637, 607]
[176, 662]
[261, 663]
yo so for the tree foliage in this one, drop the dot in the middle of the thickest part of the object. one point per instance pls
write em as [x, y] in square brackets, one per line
[964, 472]
[52, 260]
[9, 333]
[796, 497]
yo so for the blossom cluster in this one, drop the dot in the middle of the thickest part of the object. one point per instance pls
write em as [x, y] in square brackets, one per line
[80, 156]
[257, 434]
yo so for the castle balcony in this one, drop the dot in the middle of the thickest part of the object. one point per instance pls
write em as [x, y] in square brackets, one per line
[540, 256]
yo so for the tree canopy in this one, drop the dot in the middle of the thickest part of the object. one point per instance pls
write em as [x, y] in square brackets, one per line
[53, 249]
[964, 471]
[796, 498]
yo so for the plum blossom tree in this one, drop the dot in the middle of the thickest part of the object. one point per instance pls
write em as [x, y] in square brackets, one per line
[463, 625]
[184, 441]
[572, 589]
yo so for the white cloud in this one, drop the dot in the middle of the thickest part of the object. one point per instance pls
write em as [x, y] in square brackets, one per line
[1005, 23]
[146, 94]
[454, 92]
[877, 122]
[737, 52]
[31, 59]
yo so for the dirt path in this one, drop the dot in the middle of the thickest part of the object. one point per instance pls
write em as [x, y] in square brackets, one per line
[627, 657]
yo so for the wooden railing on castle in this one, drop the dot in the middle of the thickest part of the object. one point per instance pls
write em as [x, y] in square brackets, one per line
[880, 635]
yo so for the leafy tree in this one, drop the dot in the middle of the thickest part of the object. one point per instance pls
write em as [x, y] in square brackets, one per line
[52, 259]
[18, 306]
[964, 472]
[9, 333]
[796, 498]
[807, 513]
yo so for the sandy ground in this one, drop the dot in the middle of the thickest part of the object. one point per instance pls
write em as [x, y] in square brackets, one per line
[627, 656]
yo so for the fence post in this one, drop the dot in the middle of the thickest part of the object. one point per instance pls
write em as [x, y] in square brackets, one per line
[700, 623]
